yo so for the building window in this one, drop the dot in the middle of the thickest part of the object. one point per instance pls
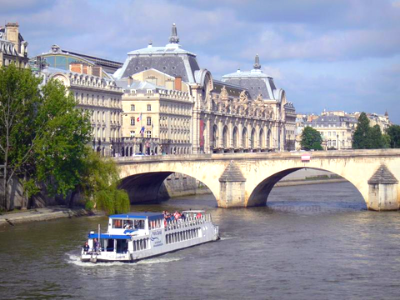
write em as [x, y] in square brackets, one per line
[149, 134]
[133, 121]
[148, 107]
[132, 107]
[148, 120]
[132, 133]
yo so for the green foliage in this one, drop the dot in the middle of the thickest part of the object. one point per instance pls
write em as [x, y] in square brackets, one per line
[60, 151]
[100, 185]
[30, 187]
[311, 139]
[386, 140]
[366, 137]
[394, 133]
[361, 135]
[42, 133]
[19, 100]
[375, 138]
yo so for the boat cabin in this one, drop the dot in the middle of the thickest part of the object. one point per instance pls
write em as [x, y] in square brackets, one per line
[121, 228]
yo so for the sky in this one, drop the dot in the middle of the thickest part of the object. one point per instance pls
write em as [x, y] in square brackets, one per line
[333, 55]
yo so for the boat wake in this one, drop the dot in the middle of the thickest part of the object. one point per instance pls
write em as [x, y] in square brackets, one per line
[76, 260]
[224, 238]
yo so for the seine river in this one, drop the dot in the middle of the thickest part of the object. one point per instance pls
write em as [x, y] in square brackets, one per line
[310, 242]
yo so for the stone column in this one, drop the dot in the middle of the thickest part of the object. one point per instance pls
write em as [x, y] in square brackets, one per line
[207, 137]
[240, 136]
[221, 134]
[232, 187]
[383, 190]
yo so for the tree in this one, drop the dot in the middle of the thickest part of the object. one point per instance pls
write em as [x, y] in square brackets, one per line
[394, 133]
[366, 137]
[375, 138]
[311, 139]
[19, 100]
[60, 151]
[361, 137]
[99, 185]
[386, 140]
[42, 134]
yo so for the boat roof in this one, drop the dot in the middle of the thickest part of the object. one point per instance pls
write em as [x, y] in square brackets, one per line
[138, 215]
[109, 236]
[193, 211]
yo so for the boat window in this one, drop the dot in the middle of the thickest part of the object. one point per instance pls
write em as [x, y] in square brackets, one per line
[117, 223]
[139, 224]
[128, 224]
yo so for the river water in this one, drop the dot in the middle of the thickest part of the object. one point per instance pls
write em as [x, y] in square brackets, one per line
[310, 242]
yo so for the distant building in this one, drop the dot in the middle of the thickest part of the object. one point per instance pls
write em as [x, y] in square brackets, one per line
[336, 131]
[376, 119]
[13, 47]
[337, 127]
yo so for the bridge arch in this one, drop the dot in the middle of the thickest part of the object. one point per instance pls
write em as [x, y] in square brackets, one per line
[259, 194]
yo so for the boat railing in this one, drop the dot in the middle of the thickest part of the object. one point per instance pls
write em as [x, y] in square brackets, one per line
[187, 222]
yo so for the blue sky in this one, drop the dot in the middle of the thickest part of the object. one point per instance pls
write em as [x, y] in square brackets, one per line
[334, 55]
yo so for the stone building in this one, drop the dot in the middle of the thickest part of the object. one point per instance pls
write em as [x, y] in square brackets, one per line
[194, 113]
[95, 91]
[157, 118]
[336, 131]
[376, 119]
[13, 47]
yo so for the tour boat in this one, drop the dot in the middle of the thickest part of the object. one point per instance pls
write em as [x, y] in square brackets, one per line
[138, 235]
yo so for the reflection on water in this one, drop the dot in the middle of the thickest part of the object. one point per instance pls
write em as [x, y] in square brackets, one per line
[310, 242]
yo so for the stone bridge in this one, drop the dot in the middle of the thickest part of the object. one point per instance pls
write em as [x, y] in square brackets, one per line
[246, 179]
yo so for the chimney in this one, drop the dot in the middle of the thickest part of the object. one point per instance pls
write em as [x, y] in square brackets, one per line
[97, 71]
[12, 34]
[178, 83]
[76, 67]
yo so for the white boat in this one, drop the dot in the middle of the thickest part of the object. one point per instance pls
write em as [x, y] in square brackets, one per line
[134, 236]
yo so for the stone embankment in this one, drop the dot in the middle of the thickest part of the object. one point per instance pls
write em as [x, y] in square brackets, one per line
[42, 214]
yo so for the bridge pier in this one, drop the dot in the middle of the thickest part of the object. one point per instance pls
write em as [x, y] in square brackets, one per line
[232, 187]
[383, 190]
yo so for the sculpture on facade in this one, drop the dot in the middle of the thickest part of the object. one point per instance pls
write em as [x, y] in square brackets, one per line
[224, 95]
[243, 97]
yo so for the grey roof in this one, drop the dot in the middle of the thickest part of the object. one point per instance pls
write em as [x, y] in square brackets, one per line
[232, 173]
[332, 120]
[383, 176]
[256, 82]
[182, 66]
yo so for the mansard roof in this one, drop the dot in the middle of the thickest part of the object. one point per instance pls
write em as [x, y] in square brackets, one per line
[171, 59]
[256, 82]
[332, 120]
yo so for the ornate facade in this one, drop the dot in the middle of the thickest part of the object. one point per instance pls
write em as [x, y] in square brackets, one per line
[244, 112]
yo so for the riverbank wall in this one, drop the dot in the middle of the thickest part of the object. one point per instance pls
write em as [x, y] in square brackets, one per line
[43, 214]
